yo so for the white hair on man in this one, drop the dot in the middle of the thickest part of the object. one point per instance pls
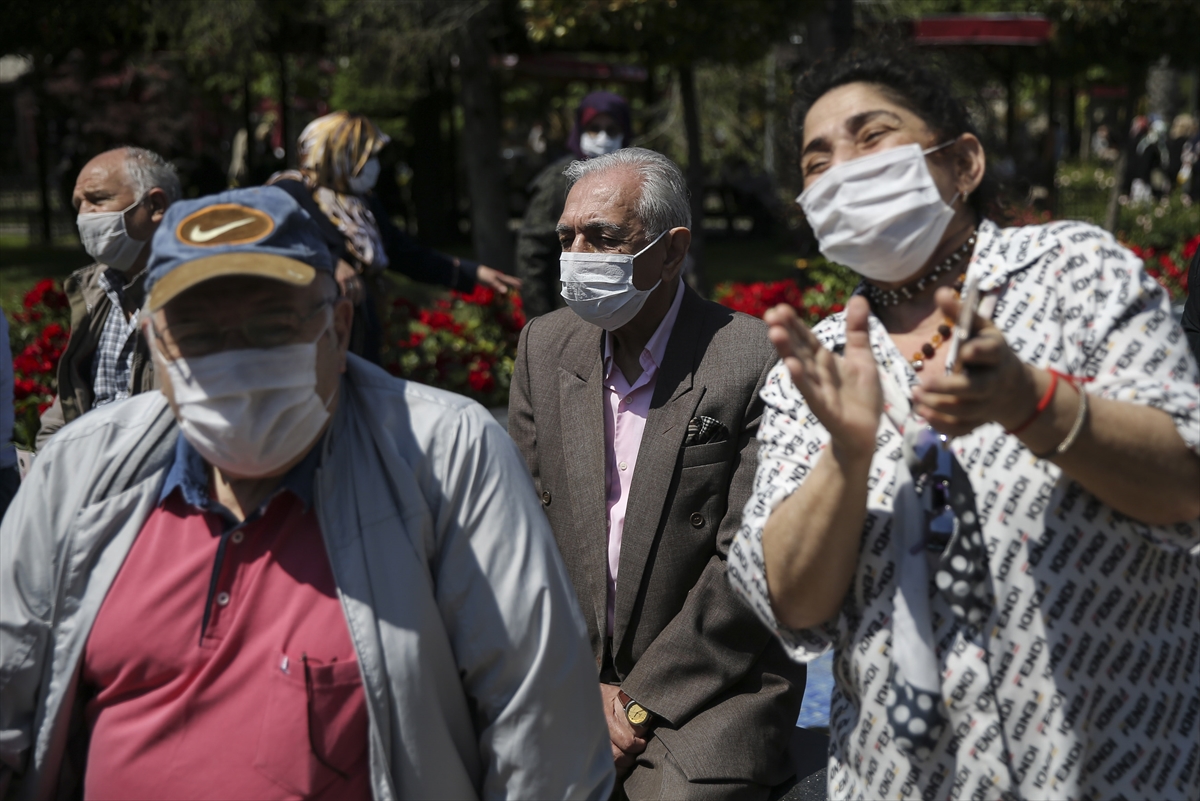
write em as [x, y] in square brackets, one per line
[664, 204]
[147, 170]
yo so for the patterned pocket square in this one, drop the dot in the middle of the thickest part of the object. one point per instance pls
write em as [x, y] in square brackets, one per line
[703, 430]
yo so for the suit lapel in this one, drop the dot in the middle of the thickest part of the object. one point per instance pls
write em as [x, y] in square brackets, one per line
[673, 405]
[581, 410]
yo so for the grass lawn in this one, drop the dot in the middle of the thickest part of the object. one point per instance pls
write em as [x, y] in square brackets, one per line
[725, 260]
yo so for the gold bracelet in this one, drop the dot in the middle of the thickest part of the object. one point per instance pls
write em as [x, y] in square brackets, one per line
[1073, 434]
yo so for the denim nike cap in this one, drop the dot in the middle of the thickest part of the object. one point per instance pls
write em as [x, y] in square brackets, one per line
[258, 231]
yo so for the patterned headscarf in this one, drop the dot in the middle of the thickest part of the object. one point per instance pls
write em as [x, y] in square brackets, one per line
[332, 150]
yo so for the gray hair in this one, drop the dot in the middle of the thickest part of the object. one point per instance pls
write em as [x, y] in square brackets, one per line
[665, 202]
[147, 170]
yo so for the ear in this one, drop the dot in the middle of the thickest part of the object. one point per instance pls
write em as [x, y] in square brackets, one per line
[157, 201]
[678, 241]
[969, 164]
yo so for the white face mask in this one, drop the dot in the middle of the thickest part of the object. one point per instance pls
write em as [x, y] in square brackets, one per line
[880, 215]
[599, 144]
[105, 239]
[365, 181]
[599, 286]
[249, 412]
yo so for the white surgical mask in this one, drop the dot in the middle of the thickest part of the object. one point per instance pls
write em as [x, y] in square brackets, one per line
[599, 144]
[365, 181]
[880, 215]
[105, 239]
[599, 286]
[249, 412]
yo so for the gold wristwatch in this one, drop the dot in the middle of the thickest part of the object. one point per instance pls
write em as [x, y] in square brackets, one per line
[635, 713]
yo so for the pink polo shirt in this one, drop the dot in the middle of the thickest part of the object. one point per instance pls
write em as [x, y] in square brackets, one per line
[220, 664]
[625, 409]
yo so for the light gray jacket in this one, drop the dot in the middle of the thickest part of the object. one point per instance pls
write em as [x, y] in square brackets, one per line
[472, 650]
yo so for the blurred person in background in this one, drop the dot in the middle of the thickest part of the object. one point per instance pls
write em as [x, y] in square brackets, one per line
[288, 574]
[339, 166]
[121, 196]
[602, 125]
[1181, 147]
[1003, 548]
[10, 477]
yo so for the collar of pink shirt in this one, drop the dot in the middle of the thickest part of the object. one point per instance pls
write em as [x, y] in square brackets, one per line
[656, 347]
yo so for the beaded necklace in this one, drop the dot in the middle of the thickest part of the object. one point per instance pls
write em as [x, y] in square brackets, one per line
[894, 297]
[918, 359]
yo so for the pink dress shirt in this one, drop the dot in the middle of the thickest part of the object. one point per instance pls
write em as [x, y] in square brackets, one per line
[624, 421]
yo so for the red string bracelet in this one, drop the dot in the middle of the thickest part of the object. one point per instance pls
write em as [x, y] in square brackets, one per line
[1042, 404]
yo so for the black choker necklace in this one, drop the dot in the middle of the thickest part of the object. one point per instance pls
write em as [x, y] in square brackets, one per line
[894, 297]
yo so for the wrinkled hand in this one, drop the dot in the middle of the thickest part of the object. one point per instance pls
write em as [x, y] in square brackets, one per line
[994, 385]
[627, 740]
[844, 393]
[351, 283]
[495, 280]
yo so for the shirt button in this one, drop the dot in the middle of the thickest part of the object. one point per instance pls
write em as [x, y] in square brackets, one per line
[222, 599]
[697, 520]
[623, 466]
[237, 537]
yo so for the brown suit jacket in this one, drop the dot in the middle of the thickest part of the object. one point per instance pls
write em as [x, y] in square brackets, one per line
[684, 645]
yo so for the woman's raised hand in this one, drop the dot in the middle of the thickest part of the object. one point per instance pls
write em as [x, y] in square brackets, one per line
[843, 392]
[994, 386]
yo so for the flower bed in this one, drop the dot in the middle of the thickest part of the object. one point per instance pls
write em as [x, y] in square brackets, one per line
[816, 292]
[465, 343]
[38, 335]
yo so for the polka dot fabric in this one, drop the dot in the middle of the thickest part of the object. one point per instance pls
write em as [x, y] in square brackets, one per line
[918, 717]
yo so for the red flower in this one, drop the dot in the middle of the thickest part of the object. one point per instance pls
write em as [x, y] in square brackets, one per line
[1190, 247]
[439, 321]
[480, 377]
[479, 296]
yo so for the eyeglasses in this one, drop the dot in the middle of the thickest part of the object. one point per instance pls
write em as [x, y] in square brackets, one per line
[193, 340]
[927, 455]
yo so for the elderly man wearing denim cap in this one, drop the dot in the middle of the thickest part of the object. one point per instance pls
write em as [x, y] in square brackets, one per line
[289, 574]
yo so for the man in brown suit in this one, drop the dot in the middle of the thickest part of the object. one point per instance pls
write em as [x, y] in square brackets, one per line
[636, 409]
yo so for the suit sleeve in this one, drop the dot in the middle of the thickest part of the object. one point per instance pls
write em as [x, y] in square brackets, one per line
[715, 639]
[518, 635]
[521, 426]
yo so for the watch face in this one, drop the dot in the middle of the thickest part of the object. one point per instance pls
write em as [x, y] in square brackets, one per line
[637, 714]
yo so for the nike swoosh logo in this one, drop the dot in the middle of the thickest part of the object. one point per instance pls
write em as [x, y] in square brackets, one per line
[212, 233]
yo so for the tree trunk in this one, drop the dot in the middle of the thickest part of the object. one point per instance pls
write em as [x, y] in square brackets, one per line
[284, 133]
[42, 137]
[432, 180]
[248, 124]
[480, 99]
[695, 172]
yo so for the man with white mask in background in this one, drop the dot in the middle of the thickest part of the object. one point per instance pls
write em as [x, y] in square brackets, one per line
[603, 123]
[636, 410]
[289, 574]
[120, 196]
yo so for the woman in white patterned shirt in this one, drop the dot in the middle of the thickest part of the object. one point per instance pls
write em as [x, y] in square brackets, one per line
[1004, 555]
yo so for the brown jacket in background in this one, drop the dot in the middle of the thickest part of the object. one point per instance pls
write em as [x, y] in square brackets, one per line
[684, 646]
[89, 310]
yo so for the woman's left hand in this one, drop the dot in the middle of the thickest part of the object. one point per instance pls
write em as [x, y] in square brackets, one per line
[495, 280]
[993, 386]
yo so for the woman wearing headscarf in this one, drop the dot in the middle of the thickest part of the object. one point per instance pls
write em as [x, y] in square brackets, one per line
[602, 125]
[339, 165]
[999, 537]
